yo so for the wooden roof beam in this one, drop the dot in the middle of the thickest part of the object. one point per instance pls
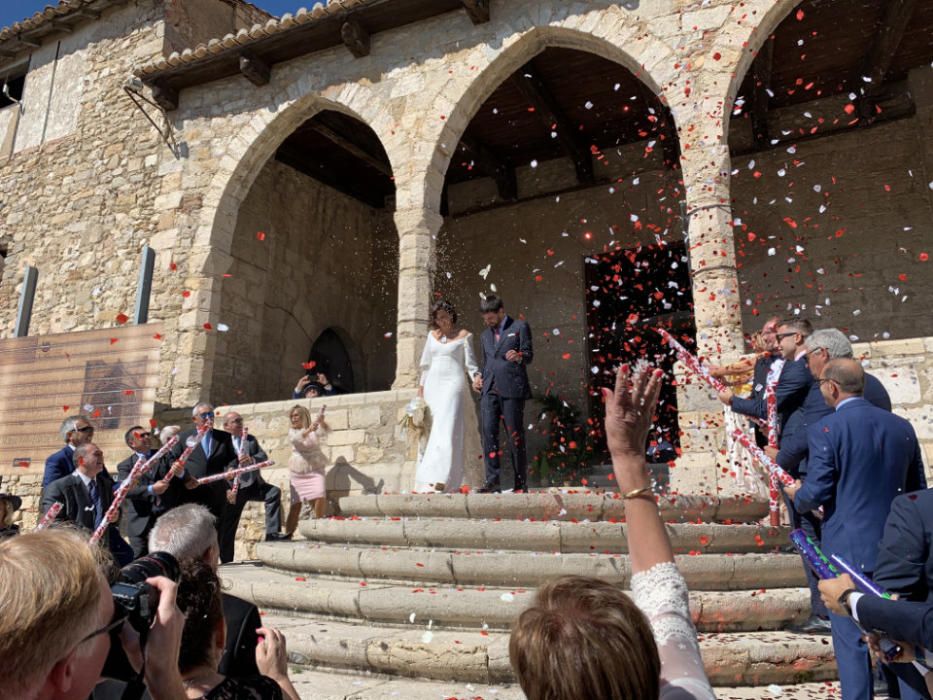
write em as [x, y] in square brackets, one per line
[494, 166]
[529, 83]
[877, 62]
[351, 148]
[478, 10]
[355, 37]
[761, 86]
[254, 70]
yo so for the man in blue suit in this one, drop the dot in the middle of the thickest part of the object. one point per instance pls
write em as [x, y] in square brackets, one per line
[794, 386]
[507, 350]
[75, 431]
[859, 459]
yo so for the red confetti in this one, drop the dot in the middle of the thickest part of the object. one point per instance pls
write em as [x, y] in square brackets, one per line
[902, 277]
[924, 257]
[173, 266]
[260, 235]
[122, 318]
[186, 294]
[849, 108]
[65, 408]
[800, 15]
[128, 392]
[309, 365]
[157, 336]
[208, 327]
[113, 340]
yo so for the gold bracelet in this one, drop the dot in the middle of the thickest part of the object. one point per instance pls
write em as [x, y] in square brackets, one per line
[639, 493]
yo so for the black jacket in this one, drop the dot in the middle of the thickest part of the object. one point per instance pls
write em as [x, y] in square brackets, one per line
[221, 458]
[510, 379]
[258, 454]
[141, 506]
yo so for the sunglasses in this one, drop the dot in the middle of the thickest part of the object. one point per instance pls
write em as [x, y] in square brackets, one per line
[781, 336]
[206, 416]
[143, 435]
[236, 420]
[86, 429]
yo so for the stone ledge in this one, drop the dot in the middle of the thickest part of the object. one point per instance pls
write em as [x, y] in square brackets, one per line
[453, 605]
[578, 505]
[540, 536]
[730, 659]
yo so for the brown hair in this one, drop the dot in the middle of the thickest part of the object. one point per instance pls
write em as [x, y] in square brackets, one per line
[50, 600]
[798, 325]
[199, 598]
[584, 638]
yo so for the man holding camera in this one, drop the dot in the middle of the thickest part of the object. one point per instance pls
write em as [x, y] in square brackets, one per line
[54, 646]
[86, 496]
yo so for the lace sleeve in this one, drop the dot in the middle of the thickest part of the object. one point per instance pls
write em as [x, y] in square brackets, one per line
[661, 593]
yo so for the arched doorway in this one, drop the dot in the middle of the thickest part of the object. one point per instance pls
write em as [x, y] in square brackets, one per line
[314, 248]
[570, 166]
[331, 356]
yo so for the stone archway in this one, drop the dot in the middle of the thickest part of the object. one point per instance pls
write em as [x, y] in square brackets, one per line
[300, 250]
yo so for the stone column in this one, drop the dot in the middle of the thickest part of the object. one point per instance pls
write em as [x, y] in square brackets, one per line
[701, 468]
[417, 232]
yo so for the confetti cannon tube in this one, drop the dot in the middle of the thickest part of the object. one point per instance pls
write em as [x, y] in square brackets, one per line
[865, 584]
[232, 473]
[764, 460]
[190, 446]
[140, 468]
[772, 424]
[50, 515]
[690, 361]
[814, 557]
[243, 448]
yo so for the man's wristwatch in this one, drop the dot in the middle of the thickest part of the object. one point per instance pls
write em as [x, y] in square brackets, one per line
[844, 599]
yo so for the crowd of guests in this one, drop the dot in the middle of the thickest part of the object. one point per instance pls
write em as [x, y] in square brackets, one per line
[856, 467]
[859, 491]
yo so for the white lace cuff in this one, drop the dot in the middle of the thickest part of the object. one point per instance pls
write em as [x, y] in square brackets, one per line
[661, 593]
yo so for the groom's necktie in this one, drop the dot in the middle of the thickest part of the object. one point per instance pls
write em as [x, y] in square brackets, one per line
[206, 444]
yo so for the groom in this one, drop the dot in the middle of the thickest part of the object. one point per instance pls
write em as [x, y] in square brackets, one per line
[504, 386]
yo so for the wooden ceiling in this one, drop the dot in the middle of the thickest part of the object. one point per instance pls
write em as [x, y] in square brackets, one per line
[837, 47]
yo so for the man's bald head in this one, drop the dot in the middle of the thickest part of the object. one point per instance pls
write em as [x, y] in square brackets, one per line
[847, 374]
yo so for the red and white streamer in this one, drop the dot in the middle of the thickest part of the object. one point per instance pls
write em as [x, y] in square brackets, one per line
[50, 515]
[233, 473]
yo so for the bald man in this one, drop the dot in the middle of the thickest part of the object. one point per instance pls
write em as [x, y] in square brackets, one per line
[252, 488]
[860, 458]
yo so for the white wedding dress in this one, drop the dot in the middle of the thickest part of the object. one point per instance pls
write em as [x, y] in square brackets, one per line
[447, 371]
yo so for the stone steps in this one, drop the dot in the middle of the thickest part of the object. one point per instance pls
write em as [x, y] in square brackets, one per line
[748, 658]
[532, 536]
[551, 505]
[331, 685]
[518, 568]
[426, 586]
[483, 607]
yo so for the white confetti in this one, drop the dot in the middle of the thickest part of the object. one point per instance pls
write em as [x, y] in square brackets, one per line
[507, 597]
[534, 164]
[223, 327]
[427, 637]
[485, 271]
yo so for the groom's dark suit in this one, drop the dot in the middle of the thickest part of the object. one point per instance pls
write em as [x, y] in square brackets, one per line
[505, 389]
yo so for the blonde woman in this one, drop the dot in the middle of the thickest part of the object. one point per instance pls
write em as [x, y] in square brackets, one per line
[306, 465]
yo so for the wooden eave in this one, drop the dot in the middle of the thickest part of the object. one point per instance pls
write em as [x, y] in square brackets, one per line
[286, 39]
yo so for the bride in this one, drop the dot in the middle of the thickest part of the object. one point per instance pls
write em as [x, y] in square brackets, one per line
[447, 357]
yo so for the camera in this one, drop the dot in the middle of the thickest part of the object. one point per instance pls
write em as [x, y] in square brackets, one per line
[138, 602]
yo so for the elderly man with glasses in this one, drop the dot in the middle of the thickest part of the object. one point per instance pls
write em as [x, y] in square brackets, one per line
[213, 453]
[75, 431]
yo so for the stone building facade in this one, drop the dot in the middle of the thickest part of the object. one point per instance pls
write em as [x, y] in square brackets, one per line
[255, 260]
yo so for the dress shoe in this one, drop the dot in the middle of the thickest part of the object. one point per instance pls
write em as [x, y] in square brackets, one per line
[277, 537]
[813, 625]
[490, 488]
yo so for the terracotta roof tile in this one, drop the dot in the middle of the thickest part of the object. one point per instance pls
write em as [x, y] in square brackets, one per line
[246, 37]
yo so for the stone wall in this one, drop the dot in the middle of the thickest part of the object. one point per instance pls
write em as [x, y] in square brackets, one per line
[367, 451]
[305, 258]
[76, 199]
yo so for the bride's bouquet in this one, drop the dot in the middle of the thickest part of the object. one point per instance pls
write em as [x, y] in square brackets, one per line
[415, 425]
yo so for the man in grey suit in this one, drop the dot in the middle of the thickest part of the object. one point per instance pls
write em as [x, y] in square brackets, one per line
[504, 386]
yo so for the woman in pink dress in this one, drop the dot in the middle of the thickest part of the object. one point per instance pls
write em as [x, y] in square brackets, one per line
[306, 465]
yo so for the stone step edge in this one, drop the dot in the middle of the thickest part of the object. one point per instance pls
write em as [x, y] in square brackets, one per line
[523, 535]
[730, 659]
[493, 607]
[552, 505]
[487, 567]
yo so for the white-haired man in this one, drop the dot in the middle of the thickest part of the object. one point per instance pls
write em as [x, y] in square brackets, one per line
[74, 430]
[189, 532]
[213, 454]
